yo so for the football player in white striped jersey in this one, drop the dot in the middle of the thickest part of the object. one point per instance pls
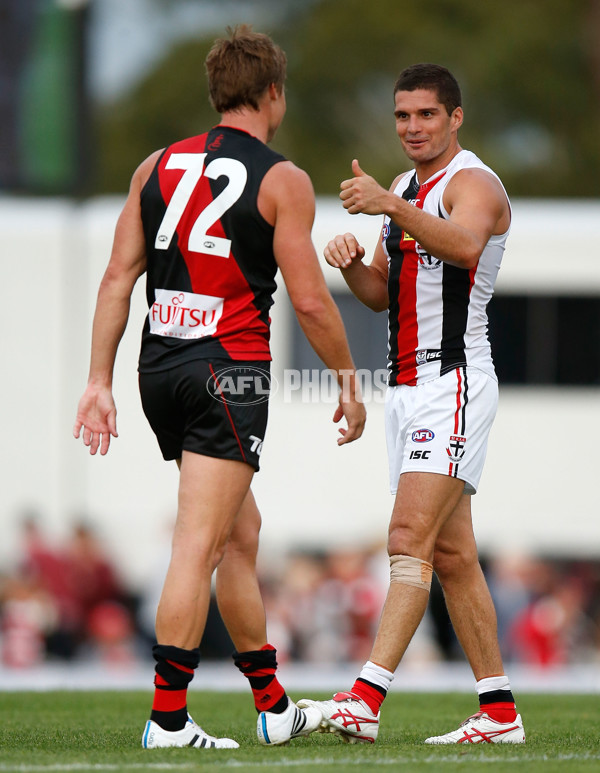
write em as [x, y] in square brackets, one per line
[445, 225]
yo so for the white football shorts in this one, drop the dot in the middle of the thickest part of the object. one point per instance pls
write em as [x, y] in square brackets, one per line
[441, 426]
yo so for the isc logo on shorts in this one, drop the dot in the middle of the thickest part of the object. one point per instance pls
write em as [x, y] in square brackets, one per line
[422, 436]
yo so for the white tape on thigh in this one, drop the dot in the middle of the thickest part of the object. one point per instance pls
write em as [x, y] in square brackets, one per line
[411, 571]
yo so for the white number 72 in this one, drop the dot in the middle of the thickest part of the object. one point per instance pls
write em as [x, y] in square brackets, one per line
[193, 164]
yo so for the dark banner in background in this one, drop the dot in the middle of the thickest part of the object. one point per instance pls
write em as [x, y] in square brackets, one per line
[43, 101]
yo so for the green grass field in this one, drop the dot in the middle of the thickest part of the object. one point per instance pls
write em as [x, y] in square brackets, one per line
[101, 731]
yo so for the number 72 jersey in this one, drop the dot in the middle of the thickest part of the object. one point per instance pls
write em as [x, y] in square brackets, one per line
[210, 263]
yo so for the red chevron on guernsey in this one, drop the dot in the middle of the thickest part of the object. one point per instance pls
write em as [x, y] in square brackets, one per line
[210, 247]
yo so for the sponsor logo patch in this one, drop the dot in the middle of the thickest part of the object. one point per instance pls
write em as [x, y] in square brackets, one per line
[427, 355]
[422, 436]
[427, 261]
[184, 315]
[216, 143]
[419, 454]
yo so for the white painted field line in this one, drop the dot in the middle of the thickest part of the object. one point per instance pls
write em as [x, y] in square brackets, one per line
[293, 763]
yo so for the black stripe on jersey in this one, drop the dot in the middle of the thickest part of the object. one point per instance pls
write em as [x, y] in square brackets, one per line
[456, 289]
[465, 400]
[393, 283]
[396, 255]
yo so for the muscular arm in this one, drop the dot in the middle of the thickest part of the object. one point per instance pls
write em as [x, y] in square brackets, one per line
[96, 412]
[475, 200]
[287, 200]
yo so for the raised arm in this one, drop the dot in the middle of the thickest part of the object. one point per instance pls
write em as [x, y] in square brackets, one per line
[287, 200]
[96, 412]
[474, 199]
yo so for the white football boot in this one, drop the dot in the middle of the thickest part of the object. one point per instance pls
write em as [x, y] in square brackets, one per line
[480, 728]
[277, 729]
[155, 737]
[347, 716]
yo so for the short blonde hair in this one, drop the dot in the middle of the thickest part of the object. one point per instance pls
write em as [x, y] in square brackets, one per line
[240, 68]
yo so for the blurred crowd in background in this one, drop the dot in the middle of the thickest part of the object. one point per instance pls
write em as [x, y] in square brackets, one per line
[68, 601]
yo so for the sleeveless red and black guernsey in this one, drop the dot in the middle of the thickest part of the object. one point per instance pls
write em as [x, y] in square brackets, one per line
[437, 317]
[210, 263]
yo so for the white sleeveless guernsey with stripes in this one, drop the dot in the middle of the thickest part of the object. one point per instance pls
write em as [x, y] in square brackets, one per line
[437, 318]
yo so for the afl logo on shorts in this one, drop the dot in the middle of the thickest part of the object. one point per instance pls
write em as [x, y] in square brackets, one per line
[241, 384]
[385, 232]
[422, 436]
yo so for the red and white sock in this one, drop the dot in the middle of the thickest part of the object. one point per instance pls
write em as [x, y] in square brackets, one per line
[496, 698]
[372, 685]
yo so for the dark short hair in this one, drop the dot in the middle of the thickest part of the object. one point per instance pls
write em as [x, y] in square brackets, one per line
[433, 77]
[240, 68]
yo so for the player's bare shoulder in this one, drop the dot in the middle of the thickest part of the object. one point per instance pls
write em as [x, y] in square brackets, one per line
[285, 186]
[144, 170]
[287, 175]
[476, 181]
[480, 189]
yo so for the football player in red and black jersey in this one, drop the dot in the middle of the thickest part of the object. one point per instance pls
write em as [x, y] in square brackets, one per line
[209, 220]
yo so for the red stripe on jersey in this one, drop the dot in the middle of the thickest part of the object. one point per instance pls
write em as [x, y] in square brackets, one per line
[241, 331]
[222, 278]
[408, 326]
[472, 273]
[408, 330]
[458, 401]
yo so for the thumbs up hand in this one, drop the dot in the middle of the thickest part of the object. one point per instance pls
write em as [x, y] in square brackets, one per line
[362, 193]
[358, 172]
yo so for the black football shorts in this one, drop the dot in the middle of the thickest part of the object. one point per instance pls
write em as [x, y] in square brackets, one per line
[216, 408]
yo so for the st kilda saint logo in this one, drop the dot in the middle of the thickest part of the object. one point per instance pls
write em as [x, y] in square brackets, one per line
[456, 447]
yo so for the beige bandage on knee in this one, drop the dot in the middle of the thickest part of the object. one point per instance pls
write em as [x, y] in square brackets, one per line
[411, 571]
